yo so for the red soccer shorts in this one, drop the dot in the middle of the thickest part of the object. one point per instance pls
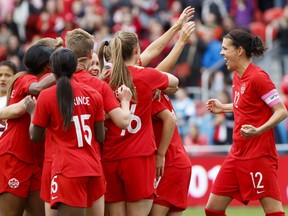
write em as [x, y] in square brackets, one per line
[247, 180]
[130, 179]
[78, 192]
[17, 177]
[46, 181]
[173, 188]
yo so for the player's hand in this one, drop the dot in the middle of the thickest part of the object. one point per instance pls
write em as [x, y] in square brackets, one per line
[214, 106]
[124, 93]
[185, 16]
[248, 131]
[30, 103]
[157, 94]
[187, 31]
[105, 73]
[106, 116]
[160, 164]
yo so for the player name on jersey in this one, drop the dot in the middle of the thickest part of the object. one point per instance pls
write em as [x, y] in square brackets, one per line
[81, 100]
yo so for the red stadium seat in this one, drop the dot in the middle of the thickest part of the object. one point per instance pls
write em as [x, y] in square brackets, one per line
[272, 14]
[258, 29]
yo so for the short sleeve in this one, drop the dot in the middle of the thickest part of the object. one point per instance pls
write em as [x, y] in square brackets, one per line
[99, 111]
[158, 106]
[262, 83]
[156, 79]
[42, 114]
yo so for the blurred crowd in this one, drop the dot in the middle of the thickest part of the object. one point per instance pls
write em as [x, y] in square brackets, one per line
[22, 22]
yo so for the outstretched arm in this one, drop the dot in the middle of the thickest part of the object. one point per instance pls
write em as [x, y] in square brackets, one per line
[157, 46]
[168, 63]
[215, 106]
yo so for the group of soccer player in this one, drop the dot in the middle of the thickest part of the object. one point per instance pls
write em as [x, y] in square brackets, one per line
[93, 147]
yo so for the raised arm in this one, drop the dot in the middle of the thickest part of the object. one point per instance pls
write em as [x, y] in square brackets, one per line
[157, 46]
[169, 62]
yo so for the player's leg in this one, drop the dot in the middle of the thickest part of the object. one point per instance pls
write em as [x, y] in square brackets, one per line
[97, 208]
[159, 210]
[172, 192]
[49, 211]
[226, 183]
[34, 205]
[264, 184]
[96, 189]
[272, 207]
[140, 207]
[11, 204]
[15, 181]
[138, 178]
[116, 209]
[106, 210]
[217, 205]
[64, 210]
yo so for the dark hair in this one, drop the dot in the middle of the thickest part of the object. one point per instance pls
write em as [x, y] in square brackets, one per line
[119, 50]
[104, 54]
[36, 58]
[9, 64]
[252, 45]
[63, 64]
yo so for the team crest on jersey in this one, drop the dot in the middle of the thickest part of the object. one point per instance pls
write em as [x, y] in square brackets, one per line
[243, 87]
[13, 183]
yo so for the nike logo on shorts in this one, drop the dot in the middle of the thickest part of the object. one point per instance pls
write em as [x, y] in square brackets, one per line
[53, 198]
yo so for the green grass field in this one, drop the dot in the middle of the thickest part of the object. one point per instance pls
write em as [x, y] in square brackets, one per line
[231, 211]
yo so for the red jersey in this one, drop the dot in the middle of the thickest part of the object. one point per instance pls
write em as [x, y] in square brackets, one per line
[75, 152]
[16, 139]
[138, 138]
[109, 99]
[253, 96]
[176, 155]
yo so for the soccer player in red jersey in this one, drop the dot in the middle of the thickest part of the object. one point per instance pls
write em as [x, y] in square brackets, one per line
[173, 166]
[250, 170]
[20, 174]
[128, 156]
[172, 162]
[73, 113]
[117, 109]
[81, 43]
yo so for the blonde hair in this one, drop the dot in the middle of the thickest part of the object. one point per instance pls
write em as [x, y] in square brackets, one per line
[119, 50]
[53, 43]
[80, 42]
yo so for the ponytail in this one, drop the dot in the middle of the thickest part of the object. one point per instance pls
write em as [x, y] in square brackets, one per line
[120, 49]
[63, 64]
[65, 99]
[257, 46]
